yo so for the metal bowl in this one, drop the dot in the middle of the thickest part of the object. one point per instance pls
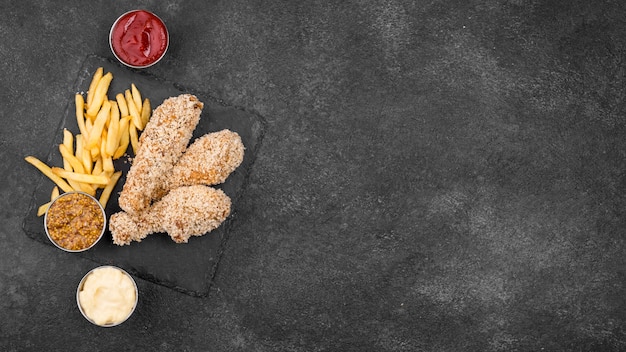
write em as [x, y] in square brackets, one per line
[81, 286]
[95, 201]
[116, 54]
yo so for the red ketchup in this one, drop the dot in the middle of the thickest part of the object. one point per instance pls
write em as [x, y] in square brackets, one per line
[139, 39]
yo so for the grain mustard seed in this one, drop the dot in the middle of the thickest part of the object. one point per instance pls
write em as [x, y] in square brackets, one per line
[75, 221]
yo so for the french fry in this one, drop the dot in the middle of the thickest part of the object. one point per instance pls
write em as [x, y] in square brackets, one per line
[104, 175]
[103, 144]
[115, 109]
[113, 138]
[107, 174]
[79, 147]
[75, 164]
[88, 128]
[99, 97]
[124, 137]
[107, 164]
[97, 167]
[89, 189]
[44, 207]
[108, 121]
[112, 141]
[80, 186]
[86, 178]
[94, 83]
[134, 137]
[96, 132]
[106, 192]
[145, 112]
[132, 109]
[136, 96]
[55, 193]
[94, 152]
[68, 142]
[107, 161]
[87, 161]
[83, 154]
[80, 113]
[121, 102]
[47, 171]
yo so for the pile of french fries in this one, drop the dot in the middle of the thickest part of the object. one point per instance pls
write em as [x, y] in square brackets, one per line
[106, 129]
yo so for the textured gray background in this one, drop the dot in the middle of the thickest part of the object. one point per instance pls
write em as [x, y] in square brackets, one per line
[435, 176]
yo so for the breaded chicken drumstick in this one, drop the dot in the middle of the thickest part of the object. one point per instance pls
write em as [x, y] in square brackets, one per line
[209, 160]
[161, 144]
[184, 212]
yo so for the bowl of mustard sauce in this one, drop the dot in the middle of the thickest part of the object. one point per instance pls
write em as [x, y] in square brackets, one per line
[75, 221]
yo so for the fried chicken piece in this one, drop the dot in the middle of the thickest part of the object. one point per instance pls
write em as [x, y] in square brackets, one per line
[183, 212]
[209, 160]
[161, 144]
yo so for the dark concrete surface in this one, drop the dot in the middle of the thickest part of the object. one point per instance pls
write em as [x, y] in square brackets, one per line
[435, 176]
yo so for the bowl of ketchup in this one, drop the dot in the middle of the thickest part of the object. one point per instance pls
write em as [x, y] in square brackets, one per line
[139, 39]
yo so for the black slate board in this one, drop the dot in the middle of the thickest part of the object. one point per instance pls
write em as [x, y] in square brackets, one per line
[188, 268]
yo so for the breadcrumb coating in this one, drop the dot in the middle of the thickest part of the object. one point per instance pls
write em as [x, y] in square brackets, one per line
[209, 160]
[184, 212]
[167, 187]
[161, 144]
